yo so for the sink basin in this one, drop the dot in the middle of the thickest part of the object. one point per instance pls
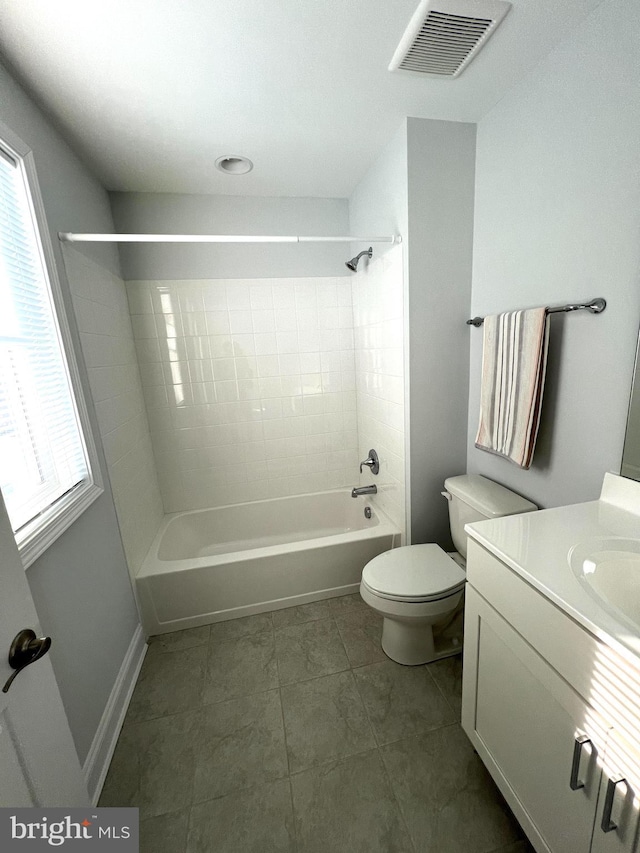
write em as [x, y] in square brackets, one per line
[609, 569]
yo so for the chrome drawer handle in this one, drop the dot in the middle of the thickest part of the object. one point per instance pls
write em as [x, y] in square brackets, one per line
[574, 782]
[607, 824]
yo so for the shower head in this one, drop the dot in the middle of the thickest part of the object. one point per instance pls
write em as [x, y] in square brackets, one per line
[353, 263]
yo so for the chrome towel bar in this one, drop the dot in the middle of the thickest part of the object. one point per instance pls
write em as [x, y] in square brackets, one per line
[596, 306]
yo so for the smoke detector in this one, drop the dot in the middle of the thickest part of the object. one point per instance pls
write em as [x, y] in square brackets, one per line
[444, 36]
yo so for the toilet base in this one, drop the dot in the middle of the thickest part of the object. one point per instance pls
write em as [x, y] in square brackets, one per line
[414, 644]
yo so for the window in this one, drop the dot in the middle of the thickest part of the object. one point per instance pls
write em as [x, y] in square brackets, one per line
[46, 461]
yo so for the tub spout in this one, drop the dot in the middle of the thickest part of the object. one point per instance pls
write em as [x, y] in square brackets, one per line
[364, 490]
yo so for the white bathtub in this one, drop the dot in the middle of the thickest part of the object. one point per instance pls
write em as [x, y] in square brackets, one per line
[215, 564]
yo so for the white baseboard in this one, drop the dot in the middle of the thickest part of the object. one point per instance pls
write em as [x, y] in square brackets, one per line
[104, 743]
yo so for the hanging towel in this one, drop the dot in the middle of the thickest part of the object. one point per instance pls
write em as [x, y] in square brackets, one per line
[514, 359]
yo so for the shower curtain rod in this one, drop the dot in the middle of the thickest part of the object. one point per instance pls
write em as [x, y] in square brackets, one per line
[71, 237]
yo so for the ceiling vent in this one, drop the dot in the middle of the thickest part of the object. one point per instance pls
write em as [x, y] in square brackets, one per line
[444, 36]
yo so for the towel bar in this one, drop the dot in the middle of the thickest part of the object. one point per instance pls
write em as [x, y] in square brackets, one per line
[596, 306]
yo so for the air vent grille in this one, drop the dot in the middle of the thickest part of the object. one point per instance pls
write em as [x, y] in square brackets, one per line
[443, 37]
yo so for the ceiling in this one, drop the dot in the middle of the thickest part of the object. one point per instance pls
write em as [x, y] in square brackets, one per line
[152, 92]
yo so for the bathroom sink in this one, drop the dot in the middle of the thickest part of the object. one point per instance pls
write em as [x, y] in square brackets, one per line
[609, 569]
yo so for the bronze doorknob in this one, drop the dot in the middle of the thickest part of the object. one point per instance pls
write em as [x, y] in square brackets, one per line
[26, 649]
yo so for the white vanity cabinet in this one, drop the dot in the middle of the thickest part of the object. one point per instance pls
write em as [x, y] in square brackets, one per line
[552, 711]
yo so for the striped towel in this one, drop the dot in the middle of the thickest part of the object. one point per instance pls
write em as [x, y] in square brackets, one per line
[514, 360]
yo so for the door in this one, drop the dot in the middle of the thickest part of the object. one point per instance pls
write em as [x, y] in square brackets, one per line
[533, 726]
[38, 761]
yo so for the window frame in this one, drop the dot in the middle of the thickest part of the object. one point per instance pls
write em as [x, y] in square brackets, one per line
[40, 533]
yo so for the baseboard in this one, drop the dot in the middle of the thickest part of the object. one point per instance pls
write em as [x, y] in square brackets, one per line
[99, 758]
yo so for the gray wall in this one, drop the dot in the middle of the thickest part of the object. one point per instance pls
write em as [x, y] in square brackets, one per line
[422, 186]
[167, 213]
[379, 203]
[557, 220]
[80, 586]
[441, 157]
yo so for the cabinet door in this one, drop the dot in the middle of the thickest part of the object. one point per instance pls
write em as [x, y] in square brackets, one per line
[526, 723]
[616, 826]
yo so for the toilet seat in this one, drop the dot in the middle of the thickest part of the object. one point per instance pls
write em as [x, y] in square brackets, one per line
[413, 573]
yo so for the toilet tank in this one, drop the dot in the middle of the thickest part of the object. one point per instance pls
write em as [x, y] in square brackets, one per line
[475, 498]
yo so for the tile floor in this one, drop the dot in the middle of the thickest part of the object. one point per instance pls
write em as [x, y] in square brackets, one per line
[291, 731]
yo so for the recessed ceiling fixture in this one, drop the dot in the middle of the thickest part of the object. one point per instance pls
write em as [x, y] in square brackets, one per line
[233, 164]
[443, 36]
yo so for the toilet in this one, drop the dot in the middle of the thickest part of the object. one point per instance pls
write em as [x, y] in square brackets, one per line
[419, 589]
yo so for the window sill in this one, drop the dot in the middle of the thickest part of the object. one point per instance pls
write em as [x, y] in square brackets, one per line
[51, 525]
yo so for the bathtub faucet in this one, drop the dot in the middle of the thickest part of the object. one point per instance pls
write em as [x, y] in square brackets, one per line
[364, 490]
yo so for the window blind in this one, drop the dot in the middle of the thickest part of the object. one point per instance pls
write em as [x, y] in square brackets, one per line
[42, 452]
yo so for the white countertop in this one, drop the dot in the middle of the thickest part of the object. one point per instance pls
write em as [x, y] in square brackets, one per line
[536, 546]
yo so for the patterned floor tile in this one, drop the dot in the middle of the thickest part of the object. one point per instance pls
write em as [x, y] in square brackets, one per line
[324, 720]
[401, 700]
[348, 806]
[309, 650]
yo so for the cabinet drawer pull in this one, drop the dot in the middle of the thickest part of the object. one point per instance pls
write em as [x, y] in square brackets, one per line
[607, 824]
[574, 782]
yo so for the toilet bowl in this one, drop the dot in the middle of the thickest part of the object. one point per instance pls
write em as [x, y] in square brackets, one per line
[414, 588]
[418, 589]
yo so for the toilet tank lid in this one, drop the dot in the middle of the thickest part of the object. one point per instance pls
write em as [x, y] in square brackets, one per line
[487, 497]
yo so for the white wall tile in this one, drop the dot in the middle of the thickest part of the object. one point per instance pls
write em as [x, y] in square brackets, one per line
[286, 319]
[287, 342]
[240, 322]
[260, 297]
[267, 365]
[283, 295]
[243, 344]
[238, 297]
[218, 322]
[105, 322]
[195, 324]
[263, 320]
[265, 344]
[243, 388]
[144, 326]
[169, 325]
[139, 298]
[309, 342]
[215, 298]
[377, 381]
[310, 362]
[190, 298]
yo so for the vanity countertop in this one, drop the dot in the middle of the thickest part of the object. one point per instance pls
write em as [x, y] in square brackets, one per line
[536, 545]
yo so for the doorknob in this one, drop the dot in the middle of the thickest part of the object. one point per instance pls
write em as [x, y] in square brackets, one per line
[25, 649]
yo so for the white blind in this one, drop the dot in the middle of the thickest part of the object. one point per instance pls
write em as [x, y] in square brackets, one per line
[42, 453]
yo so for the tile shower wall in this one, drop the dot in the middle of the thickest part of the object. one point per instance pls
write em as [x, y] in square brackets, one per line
[378, 321]
[100, 304]
[249, 386]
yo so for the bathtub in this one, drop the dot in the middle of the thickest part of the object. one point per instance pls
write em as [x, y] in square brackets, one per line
[215, 564]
